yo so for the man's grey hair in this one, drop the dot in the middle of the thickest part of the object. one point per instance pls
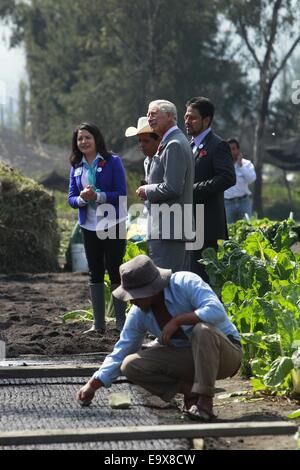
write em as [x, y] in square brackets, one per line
[166, 107]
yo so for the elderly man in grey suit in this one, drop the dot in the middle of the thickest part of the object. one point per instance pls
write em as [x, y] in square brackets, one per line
[169, 192]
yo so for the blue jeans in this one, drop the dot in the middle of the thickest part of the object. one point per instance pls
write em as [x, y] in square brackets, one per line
[236, 208]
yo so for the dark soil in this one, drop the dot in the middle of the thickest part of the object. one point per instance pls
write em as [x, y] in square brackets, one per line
[31, 307]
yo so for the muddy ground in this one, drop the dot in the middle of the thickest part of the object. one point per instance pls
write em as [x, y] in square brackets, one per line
[31, 307]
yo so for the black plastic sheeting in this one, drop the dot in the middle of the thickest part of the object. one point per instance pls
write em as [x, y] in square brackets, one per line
[41, 404]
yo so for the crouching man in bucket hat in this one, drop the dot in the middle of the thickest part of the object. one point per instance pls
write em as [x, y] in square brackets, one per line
[197, 342]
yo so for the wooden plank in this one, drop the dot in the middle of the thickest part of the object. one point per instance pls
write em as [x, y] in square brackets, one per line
[30, 372]
[60, 357]
[133, 433]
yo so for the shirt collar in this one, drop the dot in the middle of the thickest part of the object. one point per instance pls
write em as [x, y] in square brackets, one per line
[199, 138]
[172, 129]
[97, 158]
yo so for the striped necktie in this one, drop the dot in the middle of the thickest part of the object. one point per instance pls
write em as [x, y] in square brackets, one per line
[193, 147]
[160, 148]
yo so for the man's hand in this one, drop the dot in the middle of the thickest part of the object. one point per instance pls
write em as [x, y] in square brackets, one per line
[88, 194]
[168, 331]
[86, 394]
[141, 192]
[240, 159]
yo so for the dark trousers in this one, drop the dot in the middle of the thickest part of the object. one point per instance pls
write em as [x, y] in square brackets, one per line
[198, 268]
[103, 254]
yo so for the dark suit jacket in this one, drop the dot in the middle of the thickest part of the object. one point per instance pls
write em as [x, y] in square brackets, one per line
[214, 172]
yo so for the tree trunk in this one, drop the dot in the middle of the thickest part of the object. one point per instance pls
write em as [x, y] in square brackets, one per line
[258, 163]
[258, 147]
[288, 188]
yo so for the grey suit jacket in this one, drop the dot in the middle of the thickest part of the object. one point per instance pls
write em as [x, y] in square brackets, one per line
[170, 185]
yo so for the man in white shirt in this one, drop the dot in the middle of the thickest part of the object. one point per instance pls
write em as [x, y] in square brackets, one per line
[238, 197]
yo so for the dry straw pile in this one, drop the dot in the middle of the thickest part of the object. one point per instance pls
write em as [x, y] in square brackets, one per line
[29, 238]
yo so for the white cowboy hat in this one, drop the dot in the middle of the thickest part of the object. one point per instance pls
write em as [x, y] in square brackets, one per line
[142, 128]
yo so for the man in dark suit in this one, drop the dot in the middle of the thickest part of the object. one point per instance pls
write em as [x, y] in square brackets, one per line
[214, 173]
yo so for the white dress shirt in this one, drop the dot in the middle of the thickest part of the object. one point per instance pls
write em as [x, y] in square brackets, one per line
[245, 175]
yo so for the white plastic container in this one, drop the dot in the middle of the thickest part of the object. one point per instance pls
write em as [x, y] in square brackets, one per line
[2, 350]
[79, 261]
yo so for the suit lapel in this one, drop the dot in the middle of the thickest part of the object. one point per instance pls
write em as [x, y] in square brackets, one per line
[203, 146]
[163, 144]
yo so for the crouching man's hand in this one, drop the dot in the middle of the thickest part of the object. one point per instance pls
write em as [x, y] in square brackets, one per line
[168, 331]
[86, 394]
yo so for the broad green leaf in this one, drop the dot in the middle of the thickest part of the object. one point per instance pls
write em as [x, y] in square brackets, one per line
[294, 414]
[257, 385]
[259, 367]
[77, 314]
[284, 266]
[254, 338]
[296, 358]
[278, 371]
[229, 292]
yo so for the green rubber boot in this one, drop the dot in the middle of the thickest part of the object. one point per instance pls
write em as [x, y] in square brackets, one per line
[98, 303]
[120, 309]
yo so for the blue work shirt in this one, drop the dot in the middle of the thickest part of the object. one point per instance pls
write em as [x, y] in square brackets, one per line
[185, 293]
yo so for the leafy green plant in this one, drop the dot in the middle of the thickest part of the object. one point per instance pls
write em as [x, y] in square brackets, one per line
[132, 250]
[258, 278]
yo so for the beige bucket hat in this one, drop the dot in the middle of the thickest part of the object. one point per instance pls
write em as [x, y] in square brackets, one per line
[141, 278]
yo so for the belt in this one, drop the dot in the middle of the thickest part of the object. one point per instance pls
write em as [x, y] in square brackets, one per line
[234, 341]
[237, 198]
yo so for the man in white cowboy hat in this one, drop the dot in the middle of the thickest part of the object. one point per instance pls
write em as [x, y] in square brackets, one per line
[198, 343]
[148, 142]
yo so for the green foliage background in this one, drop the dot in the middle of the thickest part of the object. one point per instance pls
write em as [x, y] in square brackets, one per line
[105, 60]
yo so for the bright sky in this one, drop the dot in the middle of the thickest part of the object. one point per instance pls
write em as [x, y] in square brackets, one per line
[12, 67]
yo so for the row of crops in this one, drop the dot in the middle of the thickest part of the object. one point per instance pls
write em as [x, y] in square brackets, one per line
[257, 276]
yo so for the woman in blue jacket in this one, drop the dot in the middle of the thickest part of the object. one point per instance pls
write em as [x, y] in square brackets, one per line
[97, 182]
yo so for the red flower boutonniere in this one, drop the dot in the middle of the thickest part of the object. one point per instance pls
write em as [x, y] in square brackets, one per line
[202, 153]
[101, 163]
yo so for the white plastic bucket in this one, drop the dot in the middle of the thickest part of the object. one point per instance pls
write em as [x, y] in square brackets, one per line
[79, 261]
[2, 350]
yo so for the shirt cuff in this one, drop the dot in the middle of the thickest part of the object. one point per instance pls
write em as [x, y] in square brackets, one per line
[150, 188]
[101, 198]
[81, 202]
[98, 376]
